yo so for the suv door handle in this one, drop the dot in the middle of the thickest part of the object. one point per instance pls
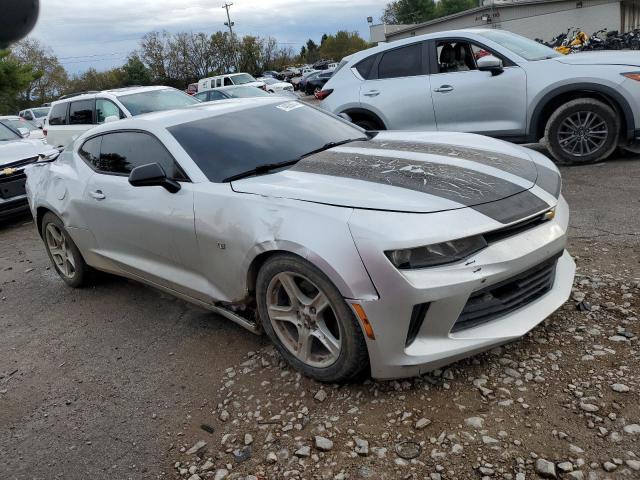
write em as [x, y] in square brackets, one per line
[372, 93]
[98, 195]
[444, 89]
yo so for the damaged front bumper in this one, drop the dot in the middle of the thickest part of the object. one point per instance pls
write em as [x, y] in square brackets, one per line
[427, 318]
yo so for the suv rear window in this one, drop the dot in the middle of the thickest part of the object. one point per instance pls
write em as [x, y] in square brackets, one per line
[81, 112]
[401, 62]
[58, 115]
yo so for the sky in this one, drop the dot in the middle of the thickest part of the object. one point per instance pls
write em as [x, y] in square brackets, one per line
[100, 34]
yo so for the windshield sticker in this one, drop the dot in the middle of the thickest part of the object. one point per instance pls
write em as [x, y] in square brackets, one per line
[287, 107]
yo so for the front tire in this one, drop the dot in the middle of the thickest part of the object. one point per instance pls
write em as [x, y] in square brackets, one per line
[582, 131]
[307, 319]
[63, 253]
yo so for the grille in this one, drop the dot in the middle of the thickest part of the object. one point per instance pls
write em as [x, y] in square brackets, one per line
[497, 235]
[507, 296]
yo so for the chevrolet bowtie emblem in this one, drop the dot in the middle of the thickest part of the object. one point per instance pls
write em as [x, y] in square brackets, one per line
[8, 171]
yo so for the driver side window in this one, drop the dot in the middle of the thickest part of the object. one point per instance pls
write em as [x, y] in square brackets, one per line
[121, 152]
[456, 56]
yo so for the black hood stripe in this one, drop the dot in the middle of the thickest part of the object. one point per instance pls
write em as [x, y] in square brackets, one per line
[518, 166]
[512, 209]
[464, 186]
[549, 180]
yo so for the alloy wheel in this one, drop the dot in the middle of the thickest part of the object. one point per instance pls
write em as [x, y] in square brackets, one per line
[58, 248]
[304, 320]
[582, 133]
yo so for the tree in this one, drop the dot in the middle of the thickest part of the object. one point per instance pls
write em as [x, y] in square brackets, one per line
[135, 73]
[409, 11]
[417, 11]
[312, 54]
[448, 7]
[50, 77]
[15, 76]
[92, 79]
[341, 44]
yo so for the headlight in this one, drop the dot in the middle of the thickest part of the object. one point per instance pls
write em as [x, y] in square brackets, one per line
[438, 254]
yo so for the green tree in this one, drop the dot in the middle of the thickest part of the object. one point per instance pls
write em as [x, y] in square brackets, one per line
[343, 43]
[135, 73]
[249, 55]
[50, 79]
[448, 7]
[15, 76]
[312, 52]
[409, 11]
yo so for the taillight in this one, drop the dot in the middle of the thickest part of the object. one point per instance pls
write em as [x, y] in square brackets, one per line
[44, 132]
[322, 94]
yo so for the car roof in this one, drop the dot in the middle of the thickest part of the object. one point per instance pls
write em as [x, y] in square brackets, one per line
[112, 93]
[227, 87]
[170, 118]
[9, 117]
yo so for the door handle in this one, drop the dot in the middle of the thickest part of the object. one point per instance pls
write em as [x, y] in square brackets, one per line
[372, 93]
[98, 195]
[444, 89]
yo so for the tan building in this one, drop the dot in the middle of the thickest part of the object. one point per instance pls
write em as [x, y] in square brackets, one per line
[534, 18]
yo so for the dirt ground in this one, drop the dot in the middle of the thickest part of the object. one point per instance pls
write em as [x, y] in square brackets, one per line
[119, 381]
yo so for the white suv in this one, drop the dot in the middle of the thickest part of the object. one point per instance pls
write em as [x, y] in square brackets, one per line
[75, 114]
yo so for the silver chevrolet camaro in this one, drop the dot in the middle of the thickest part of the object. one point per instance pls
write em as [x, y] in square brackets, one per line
[391, 253]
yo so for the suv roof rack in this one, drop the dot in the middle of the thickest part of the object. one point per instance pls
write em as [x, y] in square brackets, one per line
[71, 95]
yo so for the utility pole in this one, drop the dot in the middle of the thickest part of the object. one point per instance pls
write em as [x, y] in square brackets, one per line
[230, 24]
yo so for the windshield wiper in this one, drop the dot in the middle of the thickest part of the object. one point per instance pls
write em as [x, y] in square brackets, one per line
[260, 169]
[329, 145]
[274, 166]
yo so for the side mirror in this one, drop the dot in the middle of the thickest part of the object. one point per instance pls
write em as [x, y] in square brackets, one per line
[489, 63]
[111, 118]
[152, 175]
[24, 132]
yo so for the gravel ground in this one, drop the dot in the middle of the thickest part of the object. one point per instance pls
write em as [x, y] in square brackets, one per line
[120, 381]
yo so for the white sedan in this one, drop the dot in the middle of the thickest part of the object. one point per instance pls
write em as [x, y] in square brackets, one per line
[24, 127]
[274, 85]
[355, 252]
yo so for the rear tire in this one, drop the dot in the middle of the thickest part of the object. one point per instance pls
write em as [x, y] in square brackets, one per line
[582, 131]
[325, 343]
[366, 124]
[63, 253]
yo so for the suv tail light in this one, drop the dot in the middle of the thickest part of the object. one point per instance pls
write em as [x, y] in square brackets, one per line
[322, 94]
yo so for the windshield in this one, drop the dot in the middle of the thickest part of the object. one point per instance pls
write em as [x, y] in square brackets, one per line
[527, 49]
[246, 92]
[7, 134]
[155, 101]
[16, 123]
[229, 144]
[40, 112]
[242, 78]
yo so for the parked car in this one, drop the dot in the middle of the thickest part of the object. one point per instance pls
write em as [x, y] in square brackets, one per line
[229, 80]
[401, 251]
[322, 65]
[270, 73]
[583, 105]
[317, 82]
[76, 114]
[225, 93]
[20, 124]
[16, 153]
[273, 85]
[35, 115]
[302, 84]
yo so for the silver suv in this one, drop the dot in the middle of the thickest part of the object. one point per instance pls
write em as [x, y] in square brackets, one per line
[495, 83]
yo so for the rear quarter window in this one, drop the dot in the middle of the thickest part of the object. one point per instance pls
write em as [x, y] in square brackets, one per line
[365, 67]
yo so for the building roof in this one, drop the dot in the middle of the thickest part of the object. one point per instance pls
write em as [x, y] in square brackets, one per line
[483, 8]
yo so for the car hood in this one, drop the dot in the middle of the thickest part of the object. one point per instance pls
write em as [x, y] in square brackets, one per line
[601, 58]
[408, 172]
[16, 150]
